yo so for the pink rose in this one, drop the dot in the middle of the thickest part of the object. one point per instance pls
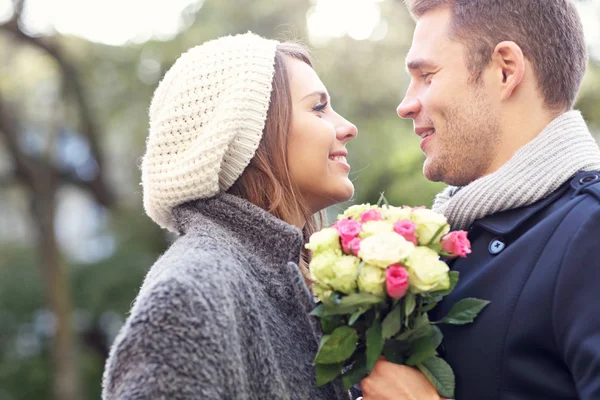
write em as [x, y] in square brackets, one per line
[456, 244]
[371, 215]
[348, 229]
[396, 281]
[352, 246]
[406, 228]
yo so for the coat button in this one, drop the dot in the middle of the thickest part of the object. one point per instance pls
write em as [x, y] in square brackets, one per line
[496, 246]
[589, 179]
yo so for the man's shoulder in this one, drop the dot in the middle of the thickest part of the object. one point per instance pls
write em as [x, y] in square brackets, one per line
[579, 212]
[583, 195]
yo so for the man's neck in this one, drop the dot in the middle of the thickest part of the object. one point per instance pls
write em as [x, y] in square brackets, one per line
[518, 130]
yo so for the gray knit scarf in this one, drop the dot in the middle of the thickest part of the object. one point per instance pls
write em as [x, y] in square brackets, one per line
[562, 149]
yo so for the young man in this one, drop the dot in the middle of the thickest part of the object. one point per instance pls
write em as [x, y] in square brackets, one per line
[492, 88]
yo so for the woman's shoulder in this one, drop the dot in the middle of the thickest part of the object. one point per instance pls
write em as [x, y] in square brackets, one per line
[170, 330]
[199, 259]
[192, 271]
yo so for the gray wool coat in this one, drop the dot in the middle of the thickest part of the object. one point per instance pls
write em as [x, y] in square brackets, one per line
[223, 314]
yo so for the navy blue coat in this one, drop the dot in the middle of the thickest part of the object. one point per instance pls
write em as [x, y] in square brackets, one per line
[540, 267]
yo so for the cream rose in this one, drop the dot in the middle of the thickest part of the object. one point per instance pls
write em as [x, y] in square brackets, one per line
[384, 249]
[355, 211]
[374, 227]
[428, 223]
[395, 214]
[427, 273]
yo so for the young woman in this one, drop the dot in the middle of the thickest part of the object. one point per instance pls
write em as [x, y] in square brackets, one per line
[244, 150]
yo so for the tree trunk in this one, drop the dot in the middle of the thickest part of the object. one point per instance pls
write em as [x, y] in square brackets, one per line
[63, 351]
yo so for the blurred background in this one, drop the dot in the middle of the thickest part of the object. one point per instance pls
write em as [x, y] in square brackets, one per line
[76, 77]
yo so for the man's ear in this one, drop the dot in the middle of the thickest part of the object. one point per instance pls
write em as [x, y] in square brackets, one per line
[509, 61]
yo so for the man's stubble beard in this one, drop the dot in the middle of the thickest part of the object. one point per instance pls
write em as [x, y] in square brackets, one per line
[468, 146]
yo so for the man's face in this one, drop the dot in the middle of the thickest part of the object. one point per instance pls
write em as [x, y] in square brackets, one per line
[456, 118]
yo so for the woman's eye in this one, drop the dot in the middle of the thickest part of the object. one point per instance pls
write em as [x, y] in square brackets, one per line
[320, 107]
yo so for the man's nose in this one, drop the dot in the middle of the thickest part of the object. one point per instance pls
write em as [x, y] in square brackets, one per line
[409, 107]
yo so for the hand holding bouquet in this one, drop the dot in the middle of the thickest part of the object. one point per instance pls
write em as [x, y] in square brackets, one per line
[377, 273]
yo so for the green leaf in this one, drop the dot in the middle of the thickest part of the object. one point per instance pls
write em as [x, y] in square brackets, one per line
[425, 347]
[356, 316]
[429, 306]
[454, 275]
[352, 303]
[375, 343]
[437, 247]
[435, 238]
[440, 375]
[356, 372]
[409, 304]
[383, 200]
[338, 346]
[395, 351]
[392, 323]
[421, 329]
[465, 311]
[318, 310]
[329, 324]
[332, 301]
[328, 372]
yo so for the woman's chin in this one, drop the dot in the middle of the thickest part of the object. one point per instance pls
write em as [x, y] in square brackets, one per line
[345, 192]
[339, 192]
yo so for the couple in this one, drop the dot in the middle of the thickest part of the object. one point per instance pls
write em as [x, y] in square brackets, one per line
[245, 151]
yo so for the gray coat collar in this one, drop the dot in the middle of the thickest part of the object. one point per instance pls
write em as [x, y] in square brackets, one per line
[232, 217]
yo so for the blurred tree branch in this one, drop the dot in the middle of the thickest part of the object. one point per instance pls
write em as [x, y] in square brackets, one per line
[88, 128]
[8, 180]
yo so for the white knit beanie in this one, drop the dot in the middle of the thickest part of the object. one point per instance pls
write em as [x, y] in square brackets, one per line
[206, 121]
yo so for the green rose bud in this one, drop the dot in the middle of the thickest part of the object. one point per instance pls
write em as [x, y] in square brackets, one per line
[321, 266]
[324, 240]
[346, 273]
[371, 279]
[322, 292]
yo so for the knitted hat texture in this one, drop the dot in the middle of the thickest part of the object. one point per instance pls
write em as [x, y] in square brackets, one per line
[206, 121]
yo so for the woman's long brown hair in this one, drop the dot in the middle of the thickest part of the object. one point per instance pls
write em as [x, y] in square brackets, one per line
[267, 182]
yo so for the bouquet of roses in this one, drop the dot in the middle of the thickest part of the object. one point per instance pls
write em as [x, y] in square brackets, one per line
[377, 272]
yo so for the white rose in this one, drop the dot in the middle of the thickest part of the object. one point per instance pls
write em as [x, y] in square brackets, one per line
[374, 227]
[395, 214]
[385, 249]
